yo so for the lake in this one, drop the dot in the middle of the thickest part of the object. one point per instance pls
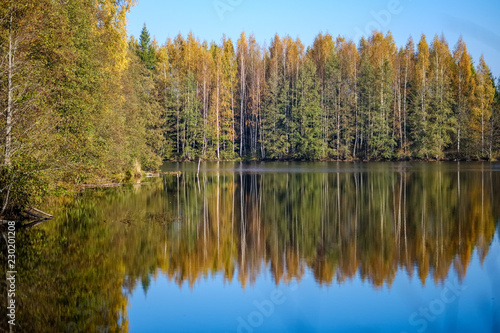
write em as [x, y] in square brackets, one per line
[270, 247]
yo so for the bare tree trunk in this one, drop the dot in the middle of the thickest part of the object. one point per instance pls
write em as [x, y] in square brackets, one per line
[6, 200]
[233, 133]
[205, 113]
[178, 123]
[404, 101]
[482, 128]
[356, 108]
[217, 110]
[400, 120]
[491, 139]
[8, 122]
[459, 115]
[242, 103]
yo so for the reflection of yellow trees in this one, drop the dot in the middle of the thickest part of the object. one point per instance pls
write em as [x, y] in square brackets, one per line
[422, 220]
[337, 224]
[72, 270]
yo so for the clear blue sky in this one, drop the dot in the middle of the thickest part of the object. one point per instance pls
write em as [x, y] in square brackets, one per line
[478, 22]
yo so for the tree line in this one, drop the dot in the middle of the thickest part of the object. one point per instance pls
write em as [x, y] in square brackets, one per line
[332, 100]
[81, 101]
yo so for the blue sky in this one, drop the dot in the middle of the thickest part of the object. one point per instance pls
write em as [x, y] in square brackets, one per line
[477, 22]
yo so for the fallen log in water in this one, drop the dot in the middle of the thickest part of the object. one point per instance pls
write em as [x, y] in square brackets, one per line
[110, 184]
[41, 212]
[99, 185]
[38, 214]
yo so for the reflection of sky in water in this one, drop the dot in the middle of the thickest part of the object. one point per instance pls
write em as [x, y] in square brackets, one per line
[213, 305]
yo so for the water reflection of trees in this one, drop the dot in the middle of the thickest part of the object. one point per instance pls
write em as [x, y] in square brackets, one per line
[337, 224]
[77, 270]
[72, 270]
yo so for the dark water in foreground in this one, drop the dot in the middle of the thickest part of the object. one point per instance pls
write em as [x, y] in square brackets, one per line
[270, 247]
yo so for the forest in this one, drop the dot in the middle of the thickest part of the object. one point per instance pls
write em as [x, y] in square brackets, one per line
[333, 100]
[82, 101]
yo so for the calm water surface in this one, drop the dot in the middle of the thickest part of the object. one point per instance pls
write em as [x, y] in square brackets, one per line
[270, 247]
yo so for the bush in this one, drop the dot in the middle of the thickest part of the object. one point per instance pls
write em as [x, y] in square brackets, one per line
[21, 186]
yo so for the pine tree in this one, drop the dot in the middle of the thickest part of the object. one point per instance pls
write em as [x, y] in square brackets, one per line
[348, 123]
[419, 121]
[407, 72]
[254, 95]
[330, 90]
[441, 121]
[323, 55]
[464, 92]
[376, 88]
[308, 141]
[142, 112]
[146, 50]
[494, 136]
[230, 69]
[275, 123]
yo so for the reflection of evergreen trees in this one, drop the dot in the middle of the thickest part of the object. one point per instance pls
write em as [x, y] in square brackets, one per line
[423, 218]
[429, 217]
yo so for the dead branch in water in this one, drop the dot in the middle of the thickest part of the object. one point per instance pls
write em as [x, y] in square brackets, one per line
[38, 214]
[32, 224]
[41, 212]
